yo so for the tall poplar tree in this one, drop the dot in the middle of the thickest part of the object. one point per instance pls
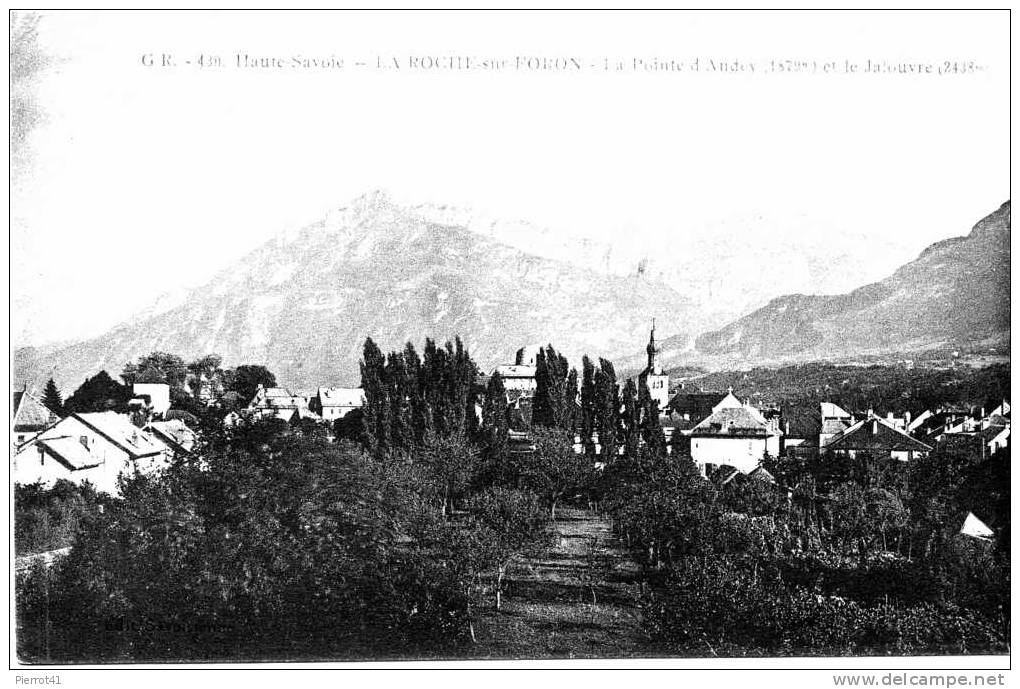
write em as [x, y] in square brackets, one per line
[589, 406]
[496, 429]
[377, 402]
[607, 409]
[631, 420]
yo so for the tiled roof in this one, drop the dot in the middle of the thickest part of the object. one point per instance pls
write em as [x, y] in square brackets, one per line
[341, 397]
[875, 434]
[175, 432]
[697, 405]
[991, 432]
[119, 430]
[740, 422]
[831, 425]
[30, 413]
[70, 452]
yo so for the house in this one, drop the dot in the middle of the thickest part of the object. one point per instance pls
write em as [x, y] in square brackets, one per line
[986, 436]
[336, 403]
[994, 437]
[278, 398]
[687, 409]
[29, 417]
[835, 420]
[738, 436]
[652, 376]
[878, 438]
[174, 434]
[158, 394]
[282, 403]
[931, 426]
[95, 447]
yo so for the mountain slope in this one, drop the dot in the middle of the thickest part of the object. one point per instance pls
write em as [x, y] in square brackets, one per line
[304, 302]
[955, 293]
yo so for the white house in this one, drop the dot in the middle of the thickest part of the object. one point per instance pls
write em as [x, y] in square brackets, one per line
[336, 403]
[738, 436]
[95, 447]
[158, 393]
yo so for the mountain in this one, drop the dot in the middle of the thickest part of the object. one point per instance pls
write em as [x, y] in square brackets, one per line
[956, 294]
[304, 302]
[726, 267]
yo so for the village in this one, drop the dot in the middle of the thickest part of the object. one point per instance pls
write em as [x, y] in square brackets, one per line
[724, 436]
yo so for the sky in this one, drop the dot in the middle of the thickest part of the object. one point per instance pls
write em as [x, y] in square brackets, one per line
[132, 181]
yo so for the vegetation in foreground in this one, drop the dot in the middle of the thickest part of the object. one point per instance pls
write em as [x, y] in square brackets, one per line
[406, 537]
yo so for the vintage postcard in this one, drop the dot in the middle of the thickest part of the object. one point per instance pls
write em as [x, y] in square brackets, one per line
[476, 339]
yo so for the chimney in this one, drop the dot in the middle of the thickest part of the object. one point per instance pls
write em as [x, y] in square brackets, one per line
[874, 427]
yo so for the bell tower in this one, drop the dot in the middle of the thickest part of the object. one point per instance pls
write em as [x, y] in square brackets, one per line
[653, 351]
[653, 377]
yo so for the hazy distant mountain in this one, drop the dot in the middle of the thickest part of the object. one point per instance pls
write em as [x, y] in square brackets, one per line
[956, 293]
[304, 302]
[726, 268]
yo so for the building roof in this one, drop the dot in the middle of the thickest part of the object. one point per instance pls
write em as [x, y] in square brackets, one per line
[762, 474]
[119, 430]
[341, 397]
[833, 411]
[28, 413]
[875, 433]
[972, 526]
[831, 426]
[514, 371]
[733, 422]
[990, 433]
[70, 452]
[696, 405]
[175, 433]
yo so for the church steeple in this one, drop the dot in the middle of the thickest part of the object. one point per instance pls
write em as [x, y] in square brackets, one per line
[652, 350]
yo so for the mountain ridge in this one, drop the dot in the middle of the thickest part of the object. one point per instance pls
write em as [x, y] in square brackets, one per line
[955, 293]
[304, 301]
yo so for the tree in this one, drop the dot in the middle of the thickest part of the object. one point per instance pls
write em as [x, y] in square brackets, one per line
[98, 393]
[246, 378]
[377, 407]
[207, 368]
[651, 429]
[588, 423]
[553, 401]
[157, 367]
[862, 517]
[607, 409]
[553, 470]
[451, 461]
[631, 420]
[495, 434]
[51, 398]
[400, 394]
[513, 524]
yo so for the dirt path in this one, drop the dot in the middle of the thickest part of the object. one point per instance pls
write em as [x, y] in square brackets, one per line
[575, 601]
